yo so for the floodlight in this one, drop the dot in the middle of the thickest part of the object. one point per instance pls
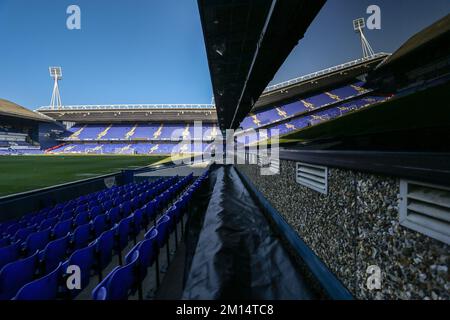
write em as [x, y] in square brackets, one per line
[55, 72]
[359, 24]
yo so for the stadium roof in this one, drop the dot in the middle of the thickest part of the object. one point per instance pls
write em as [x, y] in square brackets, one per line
[435, 33]
[10, 109]
[246, 43]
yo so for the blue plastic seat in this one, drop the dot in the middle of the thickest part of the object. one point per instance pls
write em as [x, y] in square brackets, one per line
[81, 208]
[23, 233]
[37, 241]
[66, 215]
[99, 225]
[12, 229]
[123, 232]
[148, 252]
[9, 254]
[107, 205]
[114, 215]
[125, 208]
[44, 288]
[95, 211]
[15, 275]
[82, 218]
[54, 252]
[81, 236]
[138, 221]
[48, 223]
[62, 228]
[84, 259]
[163, 227]
[104, 246]
[120, 283]
[4, 242]
[37, 220]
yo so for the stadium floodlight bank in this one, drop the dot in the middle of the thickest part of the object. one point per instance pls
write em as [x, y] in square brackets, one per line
[56, 74]
[358, 25]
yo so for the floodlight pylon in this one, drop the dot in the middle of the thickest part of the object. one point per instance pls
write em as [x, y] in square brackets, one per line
[56, 74]
[358, 26]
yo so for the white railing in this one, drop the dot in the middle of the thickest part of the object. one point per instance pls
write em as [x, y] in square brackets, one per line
[130, 107]
[323, 72]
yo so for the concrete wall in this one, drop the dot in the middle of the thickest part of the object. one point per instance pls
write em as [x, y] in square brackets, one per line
[357, 225]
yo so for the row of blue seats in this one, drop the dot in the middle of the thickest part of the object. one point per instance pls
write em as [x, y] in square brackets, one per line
[42, 262]
[125, 280]
[77, 225]
[58, 219]
[104, 199]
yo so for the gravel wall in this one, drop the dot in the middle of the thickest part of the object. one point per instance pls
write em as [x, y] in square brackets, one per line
[356, 225]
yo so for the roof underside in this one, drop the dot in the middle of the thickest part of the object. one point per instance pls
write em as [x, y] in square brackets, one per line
[10, 109]
[246, 43]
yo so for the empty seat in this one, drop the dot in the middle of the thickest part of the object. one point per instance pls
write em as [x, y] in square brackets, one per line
[95, 211]
[84, 259]
[62, 228]
[120, 283]
[81, 236]
[104, 246]
[23, 233]
[9, 254]
[138, 221]
[123, 232]
[15, 275]
[37, 241]
[4, 242]
[66, 215]
[114, 215]
[125, 208]
[48, 223]
[44, 288]
[99, 224]
[54, 252]
[82, 218]
[148, 253]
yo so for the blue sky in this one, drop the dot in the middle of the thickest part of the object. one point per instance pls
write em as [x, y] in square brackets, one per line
[152, 51]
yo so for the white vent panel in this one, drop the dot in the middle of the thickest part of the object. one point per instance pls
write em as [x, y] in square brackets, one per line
[312, 176]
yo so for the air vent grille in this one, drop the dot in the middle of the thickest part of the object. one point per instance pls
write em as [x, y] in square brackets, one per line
[312, 176]
[426, 208]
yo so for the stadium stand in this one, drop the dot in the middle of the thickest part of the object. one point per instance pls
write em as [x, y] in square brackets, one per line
[19, 129]
[37, 249]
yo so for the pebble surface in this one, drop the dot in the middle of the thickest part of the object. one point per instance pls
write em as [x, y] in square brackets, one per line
[356, 225]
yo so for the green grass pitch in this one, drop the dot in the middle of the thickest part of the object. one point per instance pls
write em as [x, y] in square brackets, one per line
[24, 173]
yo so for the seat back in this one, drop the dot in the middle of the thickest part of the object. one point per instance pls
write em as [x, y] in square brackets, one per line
[114, 215]
[37, 241]
[45, 288]
[62, 228]
[81, 236]
[84, 259]
[99, 224]
[122, 281]
[15, 275]
[54, 253]
[163, 226]
[104, 248]
[82, 218]
[123, 230]
[23, 233]
[9, 254]
[48, 223]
